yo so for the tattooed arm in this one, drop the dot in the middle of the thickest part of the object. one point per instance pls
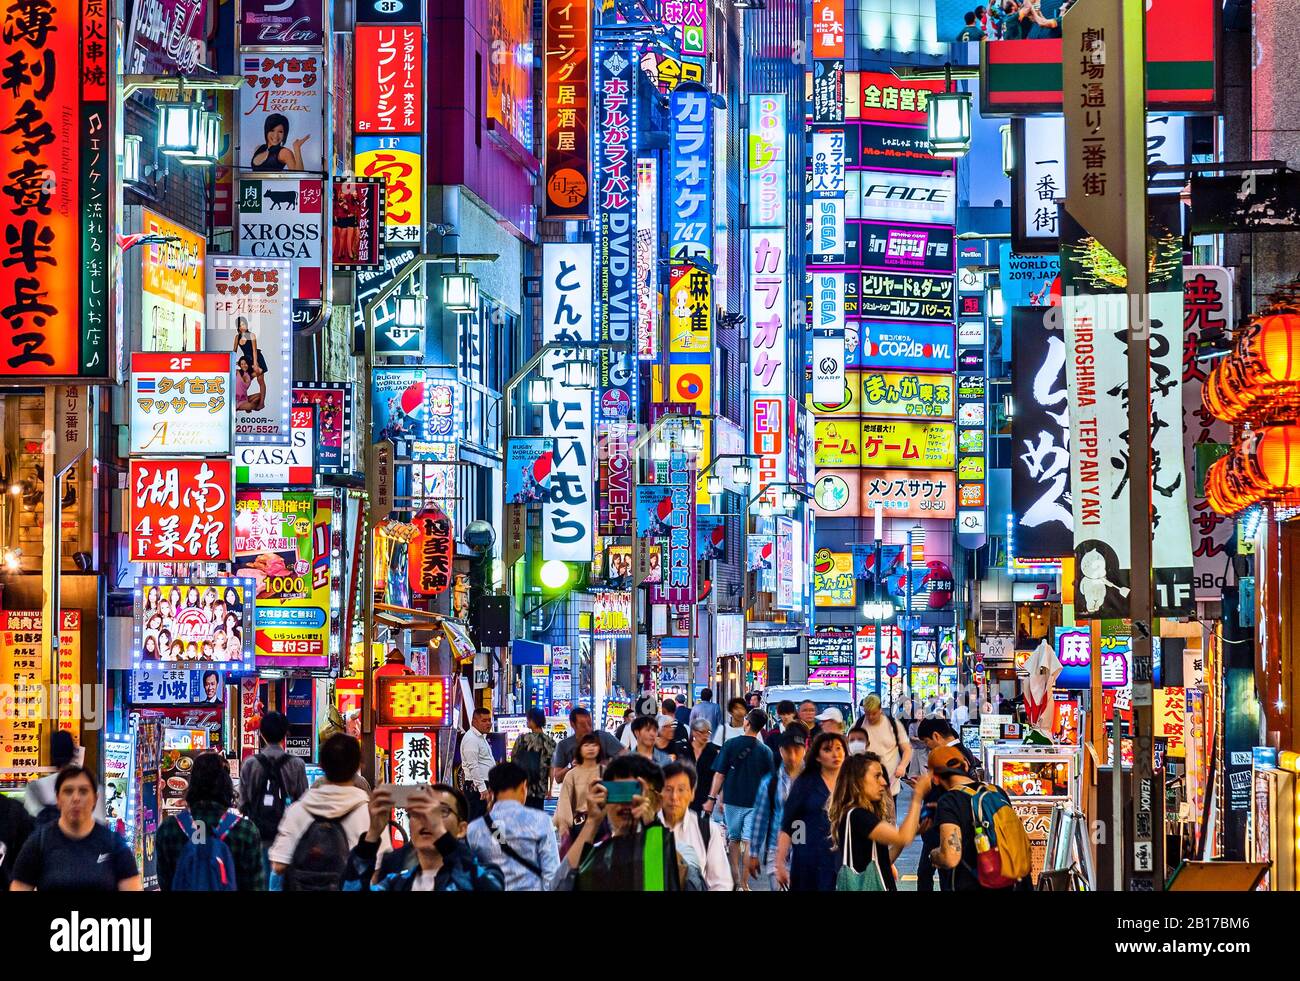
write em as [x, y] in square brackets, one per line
[948, 854]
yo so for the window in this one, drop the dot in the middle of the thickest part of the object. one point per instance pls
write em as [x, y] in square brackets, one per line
[997, 618]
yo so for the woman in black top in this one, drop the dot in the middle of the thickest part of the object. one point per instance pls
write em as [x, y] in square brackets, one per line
[812, 860]
[275, 154]
[75, 854]
[861, 816]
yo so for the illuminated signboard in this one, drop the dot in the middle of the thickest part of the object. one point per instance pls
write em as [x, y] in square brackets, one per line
[413, 701]
[56, 150]
[907, 394]
[180, 404]
[567, 159]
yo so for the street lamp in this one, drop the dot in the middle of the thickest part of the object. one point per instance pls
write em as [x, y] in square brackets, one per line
[742, 473]
[539, 391]
[131, 158]
[580, 374]
[407, 311]
[179, 126]
[460, 292]
[692, 437]
[209, 146]
[660, 451]
[714, 485]
[948, 123]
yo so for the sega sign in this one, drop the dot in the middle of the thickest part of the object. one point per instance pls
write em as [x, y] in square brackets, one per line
[894, 246]
[923, 347]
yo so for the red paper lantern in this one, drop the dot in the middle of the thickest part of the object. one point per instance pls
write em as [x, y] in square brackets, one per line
[1276, 459]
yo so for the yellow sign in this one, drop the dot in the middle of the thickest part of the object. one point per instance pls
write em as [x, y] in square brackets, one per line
[911, 445]
[1171, 719]
[173, 303]
[398, 161]
[690, 311]
[833, 582]
[907, 394]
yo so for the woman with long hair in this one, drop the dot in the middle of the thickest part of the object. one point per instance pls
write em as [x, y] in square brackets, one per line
[589, 760]
[209, 804]
[862, 819]
[812, 860]
[277, 153]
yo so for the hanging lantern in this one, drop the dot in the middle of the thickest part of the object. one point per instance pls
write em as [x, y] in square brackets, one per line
[1273, 345]
[1276, 459]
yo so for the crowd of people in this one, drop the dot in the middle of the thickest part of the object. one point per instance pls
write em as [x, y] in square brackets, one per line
[808, 801]
[1013, 20]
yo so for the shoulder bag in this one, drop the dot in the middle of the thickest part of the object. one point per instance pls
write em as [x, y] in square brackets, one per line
[850, 880]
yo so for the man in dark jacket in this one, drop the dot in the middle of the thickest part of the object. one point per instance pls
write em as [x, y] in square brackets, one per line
[16, 826]
[443, 863]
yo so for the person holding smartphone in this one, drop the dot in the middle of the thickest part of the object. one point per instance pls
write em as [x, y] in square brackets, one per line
[639, 853]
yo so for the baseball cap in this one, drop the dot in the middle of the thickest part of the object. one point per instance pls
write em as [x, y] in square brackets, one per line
[946, 760]
[830, 715]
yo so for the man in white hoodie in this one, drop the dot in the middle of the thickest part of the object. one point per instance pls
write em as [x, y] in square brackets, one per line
[316, 834]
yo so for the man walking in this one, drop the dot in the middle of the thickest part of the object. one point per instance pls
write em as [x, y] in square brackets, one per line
[707, 708]
[697, 842]
[518, 839]
[567, 749]
[888, 739]
[737, 772]
[769, 806]
[476, 760]
[533, 753]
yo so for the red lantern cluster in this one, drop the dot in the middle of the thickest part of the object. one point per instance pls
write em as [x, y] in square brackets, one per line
[1257, 388]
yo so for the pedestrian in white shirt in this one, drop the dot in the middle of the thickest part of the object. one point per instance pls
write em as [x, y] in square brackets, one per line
[735, 723]
[697, 843]
[476, 760]
[888, 739]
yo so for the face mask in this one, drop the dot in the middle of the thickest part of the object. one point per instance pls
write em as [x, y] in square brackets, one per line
[856, 749]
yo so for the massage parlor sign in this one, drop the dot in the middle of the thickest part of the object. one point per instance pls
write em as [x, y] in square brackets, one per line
[56, 153]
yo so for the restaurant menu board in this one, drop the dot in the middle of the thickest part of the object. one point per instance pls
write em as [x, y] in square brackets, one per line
[143, 808]
[24, 696]
[174, 779]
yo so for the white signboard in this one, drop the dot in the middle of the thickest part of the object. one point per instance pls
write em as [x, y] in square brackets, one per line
[909, 197]
[568, 516]
[181, 404]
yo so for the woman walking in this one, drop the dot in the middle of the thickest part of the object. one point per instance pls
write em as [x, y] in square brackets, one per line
[813, 861]
[861, 817]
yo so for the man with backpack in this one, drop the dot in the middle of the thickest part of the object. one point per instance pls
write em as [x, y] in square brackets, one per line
[764, 825]
[318, 832]
[888, 739]
[741, 766]
[270, 780]
[518, 839]
[533, 753]
[982, 842]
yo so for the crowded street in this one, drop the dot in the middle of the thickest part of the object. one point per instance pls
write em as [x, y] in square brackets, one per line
[649, 446]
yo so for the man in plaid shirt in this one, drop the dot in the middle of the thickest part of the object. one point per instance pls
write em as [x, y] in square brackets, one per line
[769, 805]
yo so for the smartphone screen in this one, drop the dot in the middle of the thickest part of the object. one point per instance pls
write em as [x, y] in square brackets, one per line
[621, 791]
[401, 792]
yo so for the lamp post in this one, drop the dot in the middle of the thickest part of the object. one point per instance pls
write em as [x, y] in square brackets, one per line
[399, 279]
[647, 436]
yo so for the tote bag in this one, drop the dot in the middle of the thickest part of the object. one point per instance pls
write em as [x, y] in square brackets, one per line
[849, 880]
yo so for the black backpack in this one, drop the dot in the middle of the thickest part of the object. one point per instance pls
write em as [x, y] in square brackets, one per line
[48, 814]
[320, 858]
[266, 803]
[530, 761]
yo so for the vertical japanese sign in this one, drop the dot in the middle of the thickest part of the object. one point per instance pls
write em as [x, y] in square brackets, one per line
[181, 510]
[679, 585]
[690, 312]
[615, 141]
[358, 222]
[56, 151]
[180, 404]
[166, 37]
[828, 28]
[172, 286]
[510, 68]
[1207, 310]
[249, 315]
[25, 707]
[828, 337]
[1040, 438]
[768, 313]
[767, 161]
[334, 436]
[690, 229]
[567, 164]
[647, 259]
[568, 514]
[292, 628]
[431, 553]
[389, 74]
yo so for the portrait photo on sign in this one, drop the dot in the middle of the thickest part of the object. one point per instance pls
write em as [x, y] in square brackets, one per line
[194, 621]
